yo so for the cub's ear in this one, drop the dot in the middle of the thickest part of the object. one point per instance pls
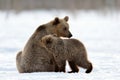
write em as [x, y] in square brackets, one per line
[66, 18]
[56, 21]
[49, 40]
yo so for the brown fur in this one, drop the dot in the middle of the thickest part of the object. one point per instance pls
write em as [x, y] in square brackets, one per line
[67, 49]
[34, 57]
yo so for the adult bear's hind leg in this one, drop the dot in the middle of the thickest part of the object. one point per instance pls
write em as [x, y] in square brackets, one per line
[18, 62]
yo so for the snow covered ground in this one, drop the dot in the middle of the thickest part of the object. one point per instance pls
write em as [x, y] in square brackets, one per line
[99, 32]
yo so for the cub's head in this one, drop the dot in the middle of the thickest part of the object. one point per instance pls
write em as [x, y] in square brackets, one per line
[48, 41]
[51, 42]
[61, 27]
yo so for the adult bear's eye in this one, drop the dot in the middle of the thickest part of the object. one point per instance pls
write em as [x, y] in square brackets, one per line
[65, 29]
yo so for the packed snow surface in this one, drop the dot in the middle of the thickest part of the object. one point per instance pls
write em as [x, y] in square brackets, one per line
[100, 33]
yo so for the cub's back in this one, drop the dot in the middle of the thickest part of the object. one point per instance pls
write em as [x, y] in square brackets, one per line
[74, 43]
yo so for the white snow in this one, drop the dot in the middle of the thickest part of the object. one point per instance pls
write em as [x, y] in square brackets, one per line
[99, 32]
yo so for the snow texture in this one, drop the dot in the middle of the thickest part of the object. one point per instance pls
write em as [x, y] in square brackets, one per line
[99, 32]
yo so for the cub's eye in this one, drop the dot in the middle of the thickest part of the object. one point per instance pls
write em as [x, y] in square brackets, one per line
[65, 29]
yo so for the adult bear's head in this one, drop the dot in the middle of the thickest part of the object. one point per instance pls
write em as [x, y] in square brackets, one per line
[60, 27]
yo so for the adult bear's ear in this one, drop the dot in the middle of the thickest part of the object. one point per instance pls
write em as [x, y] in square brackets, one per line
[56, 21]
[66, 18]
[49, 40]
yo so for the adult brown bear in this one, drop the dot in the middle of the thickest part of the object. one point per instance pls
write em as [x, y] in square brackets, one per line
[34, 57]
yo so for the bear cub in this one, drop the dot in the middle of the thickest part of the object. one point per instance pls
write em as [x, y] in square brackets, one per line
[67, 49]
